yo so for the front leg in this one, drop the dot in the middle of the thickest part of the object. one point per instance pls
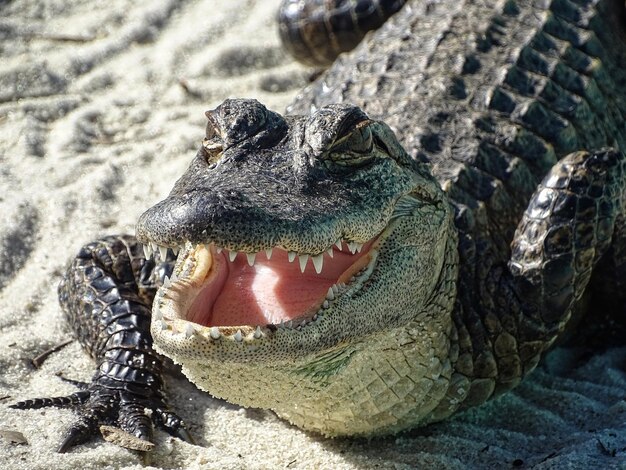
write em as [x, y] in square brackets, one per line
[573, 222]
[106, 296]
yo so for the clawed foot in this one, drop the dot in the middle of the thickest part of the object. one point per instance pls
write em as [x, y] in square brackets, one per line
[98, 404]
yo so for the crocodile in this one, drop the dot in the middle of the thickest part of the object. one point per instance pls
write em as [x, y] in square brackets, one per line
[406, 242]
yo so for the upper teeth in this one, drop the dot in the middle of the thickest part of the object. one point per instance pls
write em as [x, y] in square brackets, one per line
[317, 260]
[318, 263]
[303, 259]
[151, 248]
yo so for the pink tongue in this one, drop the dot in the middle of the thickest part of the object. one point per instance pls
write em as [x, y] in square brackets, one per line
[268, 292]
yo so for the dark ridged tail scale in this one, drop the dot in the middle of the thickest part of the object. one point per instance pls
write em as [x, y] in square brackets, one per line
[316, 32]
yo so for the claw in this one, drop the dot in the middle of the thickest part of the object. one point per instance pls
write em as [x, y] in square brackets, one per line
[80, 432]
[67, 444]
[172, 424]
[74, 399]
[133, 420]
[76, 383]
[184, 435]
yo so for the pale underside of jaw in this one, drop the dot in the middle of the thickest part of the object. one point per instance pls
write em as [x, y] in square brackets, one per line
[228, 292]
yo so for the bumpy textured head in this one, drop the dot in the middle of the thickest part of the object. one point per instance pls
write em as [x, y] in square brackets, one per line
[297, 236]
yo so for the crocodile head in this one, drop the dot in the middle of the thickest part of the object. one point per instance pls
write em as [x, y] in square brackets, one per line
[296, 236]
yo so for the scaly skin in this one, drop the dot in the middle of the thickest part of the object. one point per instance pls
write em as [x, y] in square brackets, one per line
[316, 32]
[469, 273]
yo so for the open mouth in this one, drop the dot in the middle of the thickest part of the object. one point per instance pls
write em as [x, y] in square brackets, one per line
[230, 291]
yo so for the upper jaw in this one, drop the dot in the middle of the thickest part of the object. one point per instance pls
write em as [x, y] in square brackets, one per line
[245, 219]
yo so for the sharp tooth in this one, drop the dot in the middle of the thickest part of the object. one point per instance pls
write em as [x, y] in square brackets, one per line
[281, 325]
[325, 304]
[147, 253]
[330, 295]
[289, 324]
[314, 317]
[154, 247]
[330, 252]
[303, 259]
[291, 255]
[218, 249]
[268, 253]
[257, 332]
[189, 330]
[338, 244]
[175, 250]
[232, 255]
[163, 325]
[238, 336]
[174, 277]
[166, 282]
[359, 247]
[163, 252]
[304, 322]
[251, 257]
[318, 262]
[215, 332]
[335, 288]
[157, 314]
[352, 247]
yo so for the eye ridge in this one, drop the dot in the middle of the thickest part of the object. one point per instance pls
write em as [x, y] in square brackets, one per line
[213, 129]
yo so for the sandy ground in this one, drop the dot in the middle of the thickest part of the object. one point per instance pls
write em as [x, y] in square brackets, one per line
[101, 108]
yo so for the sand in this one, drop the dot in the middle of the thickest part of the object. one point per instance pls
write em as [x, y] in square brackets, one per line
[101, 108]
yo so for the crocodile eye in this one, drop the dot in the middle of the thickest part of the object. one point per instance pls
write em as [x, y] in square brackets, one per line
[359, 140]
[355, 148]
[340, 134]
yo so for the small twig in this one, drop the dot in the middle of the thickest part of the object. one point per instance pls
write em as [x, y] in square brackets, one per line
[125, 439]
[14, 437]
[58, 37]
[39, 360]
[187, 88]
[549, 456]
